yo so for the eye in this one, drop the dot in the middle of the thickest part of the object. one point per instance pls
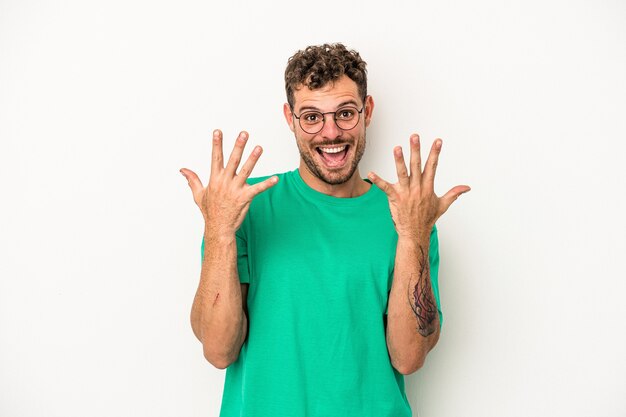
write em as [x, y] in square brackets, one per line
[345, 114]
[312, 117]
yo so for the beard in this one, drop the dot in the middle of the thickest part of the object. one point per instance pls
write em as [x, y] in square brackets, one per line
[333, 177]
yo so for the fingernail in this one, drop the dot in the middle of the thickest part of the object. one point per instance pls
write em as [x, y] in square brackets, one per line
[216, 133]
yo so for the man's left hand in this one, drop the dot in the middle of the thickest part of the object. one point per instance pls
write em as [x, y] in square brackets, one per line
[412, 200]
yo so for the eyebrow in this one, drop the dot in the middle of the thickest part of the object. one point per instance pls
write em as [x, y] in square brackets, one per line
[343, 103]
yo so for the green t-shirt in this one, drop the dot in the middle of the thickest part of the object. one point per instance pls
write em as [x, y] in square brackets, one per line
[320, 270]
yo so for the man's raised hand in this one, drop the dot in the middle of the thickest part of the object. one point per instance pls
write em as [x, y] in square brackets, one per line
[226, 199]
[412, 200]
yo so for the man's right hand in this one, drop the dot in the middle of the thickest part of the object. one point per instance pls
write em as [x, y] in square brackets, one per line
[225, 201]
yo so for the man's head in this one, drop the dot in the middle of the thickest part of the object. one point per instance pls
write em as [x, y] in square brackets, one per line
[316, 66]
[328, 110]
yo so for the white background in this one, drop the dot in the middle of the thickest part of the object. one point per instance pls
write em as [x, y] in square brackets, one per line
[102, 102]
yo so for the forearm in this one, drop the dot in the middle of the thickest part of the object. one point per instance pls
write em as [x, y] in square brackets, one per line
[217, 315]
[412, 320]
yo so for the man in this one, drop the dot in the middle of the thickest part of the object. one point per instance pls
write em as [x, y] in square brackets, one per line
[318, 289]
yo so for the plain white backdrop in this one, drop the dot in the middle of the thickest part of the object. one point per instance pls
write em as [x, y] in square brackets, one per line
[102, 102]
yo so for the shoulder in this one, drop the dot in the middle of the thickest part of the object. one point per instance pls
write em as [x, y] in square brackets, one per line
[278, 190]
[268, 200]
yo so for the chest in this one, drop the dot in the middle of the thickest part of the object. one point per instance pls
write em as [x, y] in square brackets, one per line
[321, 255]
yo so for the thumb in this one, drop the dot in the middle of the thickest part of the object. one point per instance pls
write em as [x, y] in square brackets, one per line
[194, 183]
[381, 183]
[451, 196]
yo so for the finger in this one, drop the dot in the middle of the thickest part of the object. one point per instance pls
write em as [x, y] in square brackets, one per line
[403, 175]
[416, 160]
[381, 183]
[194, 183]
[235, 156]
[247, 168]
[451, 196]
[217, 155]
[428, 179]
[259, 187]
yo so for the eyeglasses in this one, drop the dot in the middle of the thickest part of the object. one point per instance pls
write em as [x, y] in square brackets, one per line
[346, 118]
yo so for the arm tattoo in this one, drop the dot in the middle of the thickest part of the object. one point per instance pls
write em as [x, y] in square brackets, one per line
[422, 302]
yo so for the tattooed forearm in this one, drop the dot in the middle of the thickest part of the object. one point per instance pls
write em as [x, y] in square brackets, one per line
[421, 298]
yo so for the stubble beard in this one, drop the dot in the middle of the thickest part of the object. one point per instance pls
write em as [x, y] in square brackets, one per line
[332, 178]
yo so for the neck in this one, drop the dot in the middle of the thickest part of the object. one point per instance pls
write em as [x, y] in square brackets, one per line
[354, 187]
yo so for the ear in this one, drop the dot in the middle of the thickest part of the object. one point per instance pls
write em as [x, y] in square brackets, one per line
[288, 116]
[369, 109]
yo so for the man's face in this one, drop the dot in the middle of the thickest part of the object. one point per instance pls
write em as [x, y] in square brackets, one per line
[332, 154]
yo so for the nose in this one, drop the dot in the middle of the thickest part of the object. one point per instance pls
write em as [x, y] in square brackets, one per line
[330, 130]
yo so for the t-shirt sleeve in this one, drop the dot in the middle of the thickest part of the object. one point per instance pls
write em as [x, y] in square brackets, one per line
[433, 260]
[243, 267]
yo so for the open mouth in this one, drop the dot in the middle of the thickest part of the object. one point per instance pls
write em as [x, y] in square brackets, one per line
[333, 156]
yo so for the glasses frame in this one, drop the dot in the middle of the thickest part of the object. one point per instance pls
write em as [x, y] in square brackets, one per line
[334, 113]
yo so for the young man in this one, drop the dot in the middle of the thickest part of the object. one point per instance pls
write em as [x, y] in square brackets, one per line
[318, 289]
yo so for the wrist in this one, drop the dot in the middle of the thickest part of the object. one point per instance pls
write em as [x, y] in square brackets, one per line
[415, 236]
[218, 232]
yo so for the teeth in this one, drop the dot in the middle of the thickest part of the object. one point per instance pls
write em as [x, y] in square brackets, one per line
[333, 150]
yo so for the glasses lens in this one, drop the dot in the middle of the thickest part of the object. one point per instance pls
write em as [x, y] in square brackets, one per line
[347, 118]
[311, 121]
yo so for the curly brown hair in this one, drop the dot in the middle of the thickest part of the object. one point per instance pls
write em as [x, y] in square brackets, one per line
[316, 66]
